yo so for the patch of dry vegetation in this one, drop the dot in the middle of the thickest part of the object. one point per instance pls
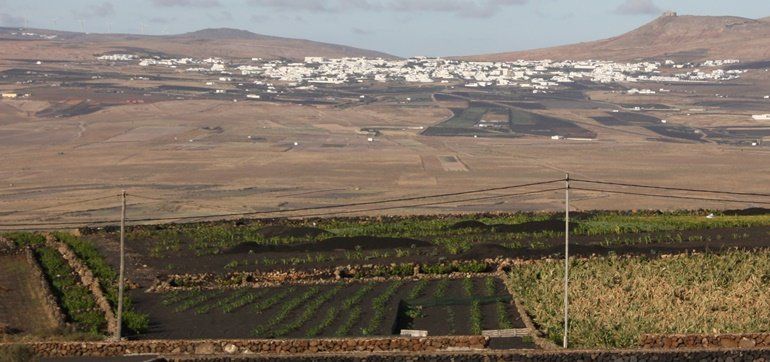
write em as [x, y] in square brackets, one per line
[614, 300]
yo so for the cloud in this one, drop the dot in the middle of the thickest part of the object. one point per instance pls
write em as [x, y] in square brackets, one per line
[359, 31]
[221, 16]
[187, 3]
[160, 20]
[101, 10]
[11, 20]
[259, 18]
[463, 8]
[638, 7]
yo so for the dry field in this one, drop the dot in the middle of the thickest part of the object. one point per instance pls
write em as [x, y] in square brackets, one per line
[201, 155]
[21, 300]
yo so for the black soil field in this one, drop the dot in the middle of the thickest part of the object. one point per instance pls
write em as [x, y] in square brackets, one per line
[356, 309]
[528, 240]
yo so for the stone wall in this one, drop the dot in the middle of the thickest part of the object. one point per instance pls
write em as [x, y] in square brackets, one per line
[88, 279]
[721, 355]
[7, 246]
[51, 304]
[366, 272]
[748, 340]
[257, 346]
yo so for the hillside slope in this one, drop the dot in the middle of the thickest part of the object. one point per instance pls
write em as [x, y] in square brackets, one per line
[223, 42]
[682, 38]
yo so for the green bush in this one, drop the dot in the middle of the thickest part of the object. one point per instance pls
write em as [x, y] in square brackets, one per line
[23, 238]
[440, 268]
[472, 266]
[402, 270]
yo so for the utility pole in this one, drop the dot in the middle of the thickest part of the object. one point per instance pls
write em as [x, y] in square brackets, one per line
[566, 260]
[121, 276]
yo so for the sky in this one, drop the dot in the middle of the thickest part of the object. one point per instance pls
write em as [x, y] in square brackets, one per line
[398, 27]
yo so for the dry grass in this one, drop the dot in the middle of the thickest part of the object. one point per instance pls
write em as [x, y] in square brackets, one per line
[614, 300]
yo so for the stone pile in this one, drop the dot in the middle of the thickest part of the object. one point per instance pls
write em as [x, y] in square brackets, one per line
[7, 246]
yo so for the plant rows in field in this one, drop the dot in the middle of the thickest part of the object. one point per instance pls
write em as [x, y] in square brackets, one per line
[108, 280]
[354, 309]
[76, 300]
[214, 238]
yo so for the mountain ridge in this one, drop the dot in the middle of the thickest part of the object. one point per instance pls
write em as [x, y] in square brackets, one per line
[682, 38]
[224, 42]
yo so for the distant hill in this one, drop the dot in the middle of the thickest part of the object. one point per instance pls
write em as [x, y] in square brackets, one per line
[222, 42]
[682, 38]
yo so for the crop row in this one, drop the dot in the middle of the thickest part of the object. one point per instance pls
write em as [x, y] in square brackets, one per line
[214, 238]
[134, 321]
[357, 309]
[76, 300]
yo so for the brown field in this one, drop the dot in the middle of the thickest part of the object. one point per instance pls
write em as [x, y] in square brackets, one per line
[195, 153]
[21, 300]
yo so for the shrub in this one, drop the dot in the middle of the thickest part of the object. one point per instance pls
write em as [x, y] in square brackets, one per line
[440, 268]
[23, 238]
[472, 266]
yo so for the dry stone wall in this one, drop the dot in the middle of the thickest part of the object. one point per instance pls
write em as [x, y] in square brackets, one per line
[757, 355]
[252, 347]
[366, 272]
[749, 340]
[7, 246]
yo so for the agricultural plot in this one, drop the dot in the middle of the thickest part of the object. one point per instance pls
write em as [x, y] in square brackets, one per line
[651, 123]
[614, 300]
[335, 310]
[305, 244]
[465, 122]
[21, 301]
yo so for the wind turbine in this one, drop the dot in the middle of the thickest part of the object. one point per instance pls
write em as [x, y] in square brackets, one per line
[82, 26]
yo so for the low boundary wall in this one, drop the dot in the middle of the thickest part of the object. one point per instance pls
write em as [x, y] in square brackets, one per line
[532, 356]
[669, 341]
[256, 346]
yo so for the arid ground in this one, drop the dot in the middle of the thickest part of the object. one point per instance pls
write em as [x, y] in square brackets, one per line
[193, 153]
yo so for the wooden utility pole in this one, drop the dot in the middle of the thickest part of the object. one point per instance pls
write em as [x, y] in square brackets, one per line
[566, 260]
[121, 277]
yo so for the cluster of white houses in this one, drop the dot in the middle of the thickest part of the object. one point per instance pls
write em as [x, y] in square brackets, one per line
[537, 75]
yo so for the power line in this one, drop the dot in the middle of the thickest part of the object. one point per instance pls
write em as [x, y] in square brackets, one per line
[671, 196]
[433, 203]
[673, 188]
[64, 204]
[73, 224]
[310, 208]
[337, 206]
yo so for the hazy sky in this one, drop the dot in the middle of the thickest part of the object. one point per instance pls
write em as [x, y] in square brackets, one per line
[400, 27]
